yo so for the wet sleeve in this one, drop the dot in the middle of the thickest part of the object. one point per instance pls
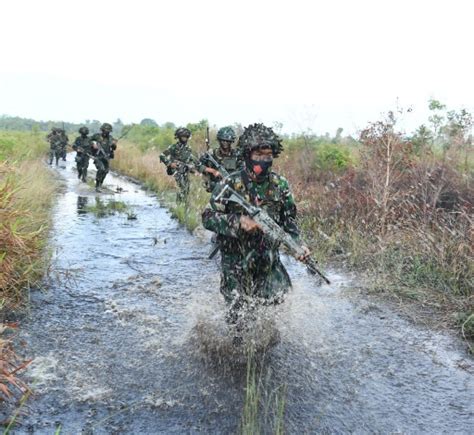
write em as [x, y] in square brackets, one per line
[218, 219]
[288, 211]
[166, 157]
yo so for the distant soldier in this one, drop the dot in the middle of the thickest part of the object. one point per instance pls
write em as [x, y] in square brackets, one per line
[251, 269]
[63, 141]
[82, 146]
[103, 146]
[179, 161]
[54, 140]
[225, 155]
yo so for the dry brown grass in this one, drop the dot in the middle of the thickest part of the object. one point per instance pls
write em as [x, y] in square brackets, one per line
[26, 193]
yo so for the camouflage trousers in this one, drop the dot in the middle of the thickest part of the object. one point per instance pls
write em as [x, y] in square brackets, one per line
[82, 163]
[264, 281]
[183, 183]
[54, 153]
[102, 165]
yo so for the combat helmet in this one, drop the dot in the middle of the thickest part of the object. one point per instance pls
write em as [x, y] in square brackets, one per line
[259, 136]
[84, 130]
[226, 133]
[181, 131]
[106, 127]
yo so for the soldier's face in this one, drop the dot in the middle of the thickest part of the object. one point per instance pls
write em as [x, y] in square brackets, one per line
[225, 144]
[183, 139]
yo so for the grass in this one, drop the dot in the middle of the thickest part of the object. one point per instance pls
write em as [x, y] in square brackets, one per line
[27, 192]
[263, 411]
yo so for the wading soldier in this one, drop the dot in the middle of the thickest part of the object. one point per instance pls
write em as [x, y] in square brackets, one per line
[103, 146]
[63, 143]
[179, 161]
[225, 155]
[54, 145]
[82, 146]
[251, 270]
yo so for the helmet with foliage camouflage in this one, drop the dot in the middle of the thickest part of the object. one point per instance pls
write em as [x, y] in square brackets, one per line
[180, 132]
[259, 136]
[84, 130]
[226, 133]
[106, 127]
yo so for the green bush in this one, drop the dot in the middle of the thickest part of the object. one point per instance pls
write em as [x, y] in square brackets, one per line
[332, 157]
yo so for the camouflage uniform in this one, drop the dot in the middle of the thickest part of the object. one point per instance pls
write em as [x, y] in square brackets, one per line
[63, 143]
[229, 159]
[250, 263]
[106, 146]
[82, 146]
[181, 154]
[54, 140]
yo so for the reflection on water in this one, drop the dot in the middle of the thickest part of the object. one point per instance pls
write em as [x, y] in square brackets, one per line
[82, 204]
[135, 342]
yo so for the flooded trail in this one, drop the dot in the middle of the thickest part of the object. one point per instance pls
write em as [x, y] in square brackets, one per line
[129, 338]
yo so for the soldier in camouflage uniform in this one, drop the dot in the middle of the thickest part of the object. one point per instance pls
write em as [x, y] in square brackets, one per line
[251, 270]
[179, 161]
[103, 146]
[82, 146]
[225, 155]
[64, 142]
[54, 139]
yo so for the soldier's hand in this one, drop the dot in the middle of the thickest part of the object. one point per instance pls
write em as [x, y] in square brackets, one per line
[214, 172]
[248, 224]
[306, 254]
[173, 165]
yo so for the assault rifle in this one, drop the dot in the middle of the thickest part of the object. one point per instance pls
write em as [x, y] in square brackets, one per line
[271, 229]
[223, 171]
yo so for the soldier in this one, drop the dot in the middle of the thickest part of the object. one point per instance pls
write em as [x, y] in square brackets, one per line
[225, 155]
[54, 145]
[62, 143]
[103, 146]
[82, 146]
[179, 159]
[251, 270]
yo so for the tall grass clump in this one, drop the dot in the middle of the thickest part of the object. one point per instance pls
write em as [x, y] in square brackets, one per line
[264, 407]
[27, 190]
[26, 194]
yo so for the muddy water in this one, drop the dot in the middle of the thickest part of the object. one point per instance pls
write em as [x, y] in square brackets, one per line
[129, 338]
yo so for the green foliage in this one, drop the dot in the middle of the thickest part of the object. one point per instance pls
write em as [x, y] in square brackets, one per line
[19, 145]
[198, 126]
[151, 137]
[332, 157]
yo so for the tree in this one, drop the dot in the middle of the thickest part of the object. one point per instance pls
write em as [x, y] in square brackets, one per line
[148, 122]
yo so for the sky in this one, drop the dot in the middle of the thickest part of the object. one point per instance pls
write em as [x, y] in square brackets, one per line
[311, 65]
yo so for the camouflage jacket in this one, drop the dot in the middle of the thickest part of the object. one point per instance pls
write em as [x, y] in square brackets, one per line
[82, 144]
[107, 144]
[57, 140]
[273, 195]
[177, 153]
